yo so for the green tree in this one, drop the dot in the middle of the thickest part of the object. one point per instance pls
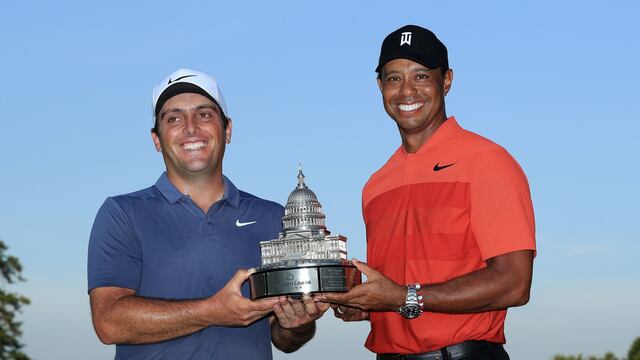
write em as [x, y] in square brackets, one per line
[634, 350]
[10, 304]
[607, 356]
[571, 357]
[634, 354]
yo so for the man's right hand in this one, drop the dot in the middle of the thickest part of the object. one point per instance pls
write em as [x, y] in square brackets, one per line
[347, 313]
[233, 309]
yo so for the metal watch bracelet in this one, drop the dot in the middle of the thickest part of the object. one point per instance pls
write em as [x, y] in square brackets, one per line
[413, 303]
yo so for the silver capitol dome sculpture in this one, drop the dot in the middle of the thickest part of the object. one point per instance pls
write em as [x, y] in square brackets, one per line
[305, 258]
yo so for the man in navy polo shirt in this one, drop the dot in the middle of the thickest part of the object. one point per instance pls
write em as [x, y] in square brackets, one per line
[167, 264]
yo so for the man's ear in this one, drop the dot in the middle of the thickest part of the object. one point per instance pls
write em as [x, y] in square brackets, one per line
[156, 141]
[447, 80]
[228, 131]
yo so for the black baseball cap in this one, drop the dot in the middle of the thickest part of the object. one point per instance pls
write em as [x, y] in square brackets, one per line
[414, 43]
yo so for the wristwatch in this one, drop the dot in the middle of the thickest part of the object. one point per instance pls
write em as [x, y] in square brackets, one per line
[413, 304]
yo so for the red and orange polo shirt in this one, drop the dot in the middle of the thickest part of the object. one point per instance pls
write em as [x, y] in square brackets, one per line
[438, 214]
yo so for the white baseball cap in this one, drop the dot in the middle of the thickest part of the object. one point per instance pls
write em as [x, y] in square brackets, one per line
[187, 81]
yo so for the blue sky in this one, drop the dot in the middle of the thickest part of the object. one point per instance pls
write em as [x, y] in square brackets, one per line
[556, 83]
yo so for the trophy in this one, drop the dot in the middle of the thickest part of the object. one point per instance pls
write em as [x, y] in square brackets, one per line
[305, 258]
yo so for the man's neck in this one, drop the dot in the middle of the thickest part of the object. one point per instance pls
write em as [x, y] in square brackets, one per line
[203, 189]
[413, 141]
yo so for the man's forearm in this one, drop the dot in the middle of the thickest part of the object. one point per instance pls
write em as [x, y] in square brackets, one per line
[134, 320]
[121, 317]
[290, 340]
[502, 284]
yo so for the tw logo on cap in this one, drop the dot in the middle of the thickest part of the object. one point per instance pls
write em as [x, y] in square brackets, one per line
[405, 38]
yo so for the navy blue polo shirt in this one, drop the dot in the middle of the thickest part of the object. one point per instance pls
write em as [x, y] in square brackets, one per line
[158, 242]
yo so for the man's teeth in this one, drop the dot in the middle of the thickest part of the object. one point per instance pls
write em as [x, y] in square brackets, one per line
[409, 107]
[194, 145]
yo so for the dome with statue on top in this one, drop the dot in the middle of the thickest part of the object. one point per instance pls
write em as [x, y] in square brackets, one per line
[303, 210]
[304, 237]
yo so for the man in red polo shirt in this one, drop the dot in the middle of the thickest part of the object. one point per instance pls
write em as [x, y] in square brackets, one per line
[450, 225]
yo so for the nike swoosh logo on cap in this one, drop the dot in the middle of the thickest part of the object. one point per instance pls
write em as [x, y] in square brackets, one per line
[239, 224]
[180, 78]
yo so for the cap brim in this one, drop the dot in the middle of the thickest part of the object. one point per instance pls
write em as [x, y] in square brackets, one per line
[419, 58]
[181, 88]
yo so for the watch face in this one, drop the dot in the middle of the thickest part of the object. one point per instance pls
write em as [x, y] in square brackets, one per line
[410, 311]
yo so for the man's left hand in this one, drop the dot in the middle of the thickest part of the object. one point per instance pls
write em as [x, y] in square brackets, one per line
[292, 314]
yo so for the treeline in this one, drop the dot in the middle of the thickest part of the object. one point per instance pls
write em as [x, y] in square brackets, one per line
[10, 304]
[633, 354]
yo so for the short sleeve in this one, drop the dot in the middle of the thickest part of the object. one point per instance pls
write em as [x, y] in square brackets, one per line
[502, 218]
[114, 256]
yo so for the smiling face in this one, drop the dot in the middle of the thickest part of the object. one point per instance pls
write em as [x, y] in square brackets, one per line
[191, 136]
[413, 96]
